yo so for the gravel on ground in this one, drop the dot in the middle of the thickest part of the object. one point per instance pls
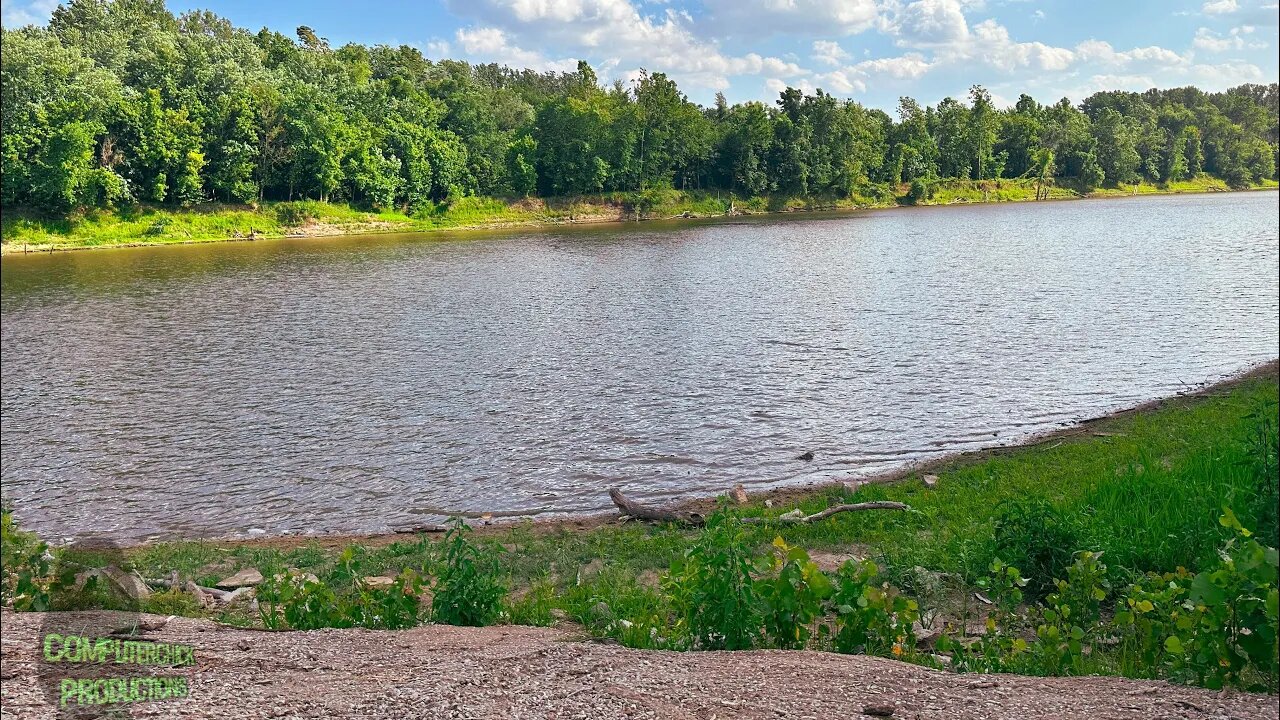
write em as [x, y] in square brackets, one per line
[513, 672]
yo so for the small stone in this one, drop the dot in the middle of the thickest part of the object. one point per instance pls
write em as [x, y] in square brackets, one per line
[378, 581]
[806, 456]
[247, 577]
[128, 583]
[879, 710]
[930, 480]
[740, 494]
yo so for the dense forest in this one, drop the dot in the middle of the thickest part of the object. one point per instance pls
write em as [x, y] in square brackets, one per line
[119, 101]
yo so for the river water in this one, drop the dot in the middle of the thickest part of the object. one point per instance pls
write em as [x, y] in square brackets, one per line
[363, 383]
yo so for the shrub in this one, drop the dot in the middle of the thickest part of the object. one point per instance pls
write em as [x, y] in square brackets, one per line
[1233, 618]
[25, 572]
[871, 618]
[1037, 538]
[712, 588]
[792, 595]
[919, 191]
[468, 591]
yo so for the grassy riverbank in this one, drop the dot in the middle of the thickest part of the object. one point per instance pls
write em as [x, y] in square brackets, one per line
[1148, 489]
[23, 231]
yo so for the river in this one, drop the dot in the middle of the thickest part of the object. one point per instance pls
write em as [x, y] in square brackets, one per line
[358, 384]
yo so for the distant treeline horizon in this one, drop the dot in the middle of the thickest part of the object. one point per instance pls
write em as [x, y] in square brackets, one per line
[120, 101]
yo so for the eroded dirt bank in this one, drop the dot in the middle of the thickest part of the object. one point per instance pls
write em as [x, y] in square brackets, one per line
[521, 672]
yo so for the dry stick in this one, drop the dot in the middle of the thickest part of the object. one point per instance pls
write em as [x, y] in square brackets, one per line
[644, 512]
[823, 514]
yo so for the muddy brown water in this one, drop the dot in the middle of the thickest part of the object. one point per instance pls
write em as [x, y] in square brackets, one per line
[357, 384]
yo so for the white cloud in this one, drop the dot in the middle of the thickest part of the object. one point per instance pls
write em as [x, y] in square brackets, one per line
[932, 22]
[826, 17]
[1098, 51]
[1219, 7]
[859, 77]
[36, 12]
[619, 31]
[493, 44]
[829, 53]
[437, 48]
[1213, 42]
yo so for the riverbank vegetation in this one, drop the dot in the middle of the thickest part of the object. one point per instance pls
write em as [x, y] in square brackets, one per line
[1141, 545]
[124, 123]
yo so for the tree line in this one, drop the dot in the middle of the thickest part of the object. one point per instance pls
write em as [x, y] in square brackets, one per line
[120, 101]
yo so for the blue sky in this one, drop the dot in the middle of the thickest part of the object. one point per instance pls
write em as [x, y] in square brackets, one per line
[869, 50]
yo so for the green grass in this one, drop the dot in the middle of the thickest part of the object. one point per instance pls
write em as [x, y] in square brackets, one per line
[970, 191]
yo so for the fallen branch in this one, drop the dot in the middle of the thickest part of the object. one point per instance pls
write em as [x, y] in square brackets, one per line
[631, 508]
[796, 517]
[634, 509]
[221, 596]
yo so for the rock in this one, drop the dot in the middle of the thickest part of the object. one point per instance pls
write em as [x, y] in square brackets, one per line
[131, 584]
[591, 569]
[768, 503]
[796, 513]
[378, 581]
[880, 710]
[247, 577]
[930, 480]
[602, 610]
[853, 486]
[806, 456]
[740, 494]
[559, 615]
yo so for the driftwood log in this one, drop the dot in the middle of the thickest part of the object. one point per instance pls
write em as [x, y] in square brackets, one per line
[634, 509]
[631, 508]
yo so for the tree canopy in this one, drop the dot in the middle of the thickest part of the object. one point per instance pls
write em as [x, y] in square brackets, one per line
[120, 101]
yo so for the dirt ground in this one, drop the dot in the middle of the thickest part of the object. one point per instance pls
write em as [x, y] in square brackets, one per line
[522, 672]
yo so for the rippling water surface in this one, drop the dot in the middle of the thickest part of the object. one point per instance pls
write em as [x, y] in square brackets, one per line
[358, 384]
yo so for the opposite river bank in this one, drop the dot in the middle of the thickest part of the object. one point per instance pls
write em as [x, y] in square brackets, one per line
[24, 232]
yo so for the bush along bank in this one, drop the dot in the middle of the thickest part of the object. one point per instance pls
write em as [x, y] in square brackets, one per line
[1142, 546]
[24, 230]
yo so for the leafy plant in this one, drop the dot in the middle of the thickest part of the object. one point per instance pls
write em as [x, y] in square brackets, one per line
[468, 590]
[1233, 620]
[1070, 615]
[871, 617]
[25, 567]
[712, 588]
[792, 593]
